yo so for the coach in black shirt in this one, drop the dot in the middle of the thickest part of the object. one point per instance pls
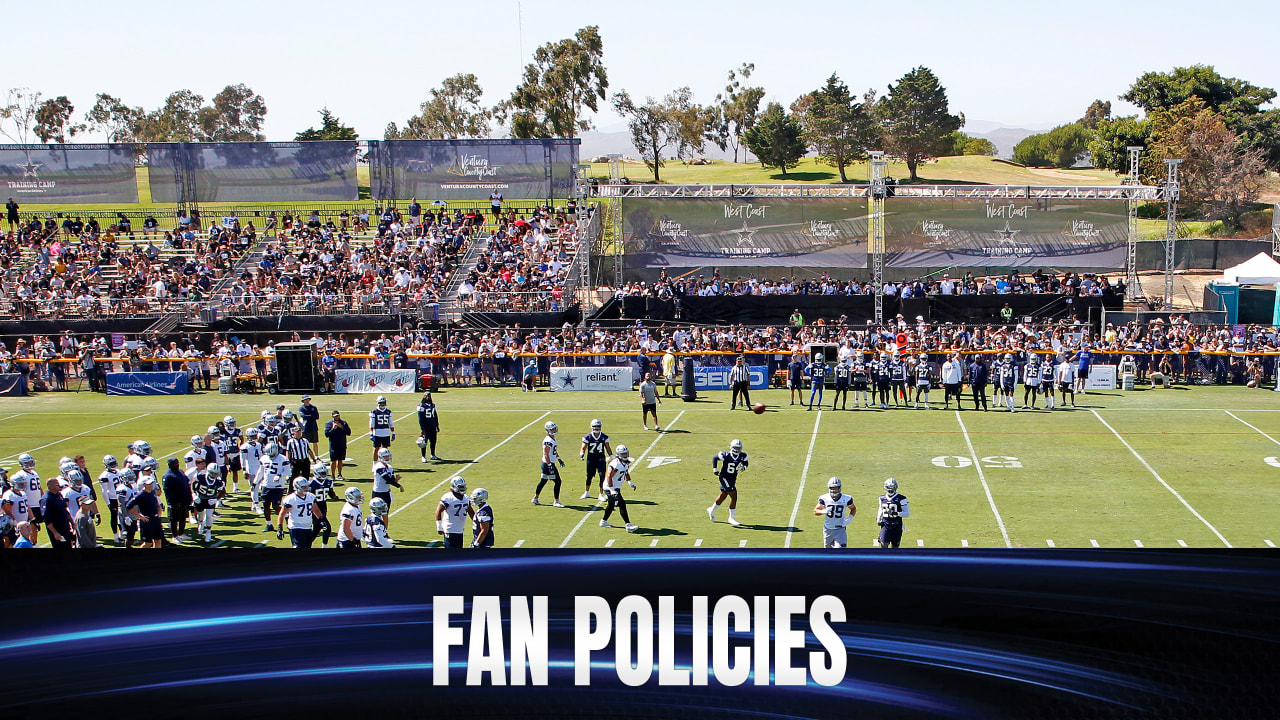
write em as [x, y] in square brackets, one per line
[56, 516]
[177, 494]
[979, 375]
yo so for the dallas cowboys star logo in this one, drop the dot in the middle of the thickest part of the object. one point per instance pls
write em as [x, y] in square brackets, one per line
[745, 235]
[1007, 233]
[29, 168]
[566, 381]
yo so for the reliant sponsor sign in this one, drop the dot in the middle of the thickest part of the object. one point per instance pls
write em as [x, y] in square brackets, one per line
[591, 378]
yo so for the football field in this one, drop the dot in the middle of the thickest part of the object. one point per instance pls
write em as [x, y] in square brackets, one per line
[1194, 467]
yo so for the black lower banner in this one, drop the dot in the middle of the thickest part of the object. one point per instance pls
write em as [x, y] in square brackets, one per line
[657, 634]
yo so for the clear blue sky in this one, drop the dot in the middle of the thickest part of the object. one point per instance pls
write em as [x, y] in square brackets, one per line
[1016, 63]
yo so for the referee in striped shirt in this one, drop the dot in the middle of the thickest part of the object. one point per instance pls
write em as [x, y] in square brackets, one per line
[300, 455]
[740, 382]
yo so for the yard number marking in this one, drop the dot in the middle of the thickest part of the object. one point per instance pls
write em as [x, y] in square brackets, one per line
[991, 461]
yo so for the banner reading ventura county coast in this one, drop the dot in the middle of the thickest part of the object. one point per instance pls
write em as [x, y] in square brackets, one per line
[255, 171]
[69, 173]
[736, 232]
[374, 381]
[472, 169]
[940, 232]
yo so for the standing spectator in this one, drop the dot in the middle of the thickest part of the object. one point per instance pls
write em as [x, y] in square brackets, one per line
[979, 375]
[145, 509]
[310, 416]
[796, 320]
[57, 517]
[649, 402]
[177, 493]
[337, 430]
[495, 203]
[11, 210]
[26, 534]
[88, 365]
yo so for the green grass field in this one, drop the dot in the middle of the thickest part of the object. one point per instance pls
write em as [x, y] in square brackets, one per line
[1151, 468]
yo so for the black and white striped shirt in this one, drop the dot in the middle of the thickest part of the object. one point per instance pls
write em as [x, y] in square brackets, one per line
[740, 374]
[298, 449]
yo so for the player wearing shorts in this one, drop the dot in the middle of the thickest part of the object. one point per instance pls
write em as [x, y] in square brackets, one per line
[385, 477]
[860, 380]
[649, 402]
[382, 428]
[453, 512]
[922, 376]
[795, 378]
[549, 471]
[838, 510]
[727, 466]
[271, 479]
[596, 451]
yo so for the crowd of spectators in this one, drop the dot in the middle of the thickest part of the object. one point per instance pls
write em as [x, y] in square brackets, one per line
[523, 265]
[1070, 283]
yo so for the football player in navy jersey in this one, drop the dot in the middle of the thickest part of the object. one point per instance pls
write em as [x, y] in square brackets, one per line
[596, 451]
[842, 374]
[234, 438]
[452, 513]
[728, 464]
[382, 426]
[817, 372]
[429, 424]
[898, 372]
[883, 371]
[893, 510]
[1006, 376]
[322, 489]
[481, 520]
[375, 526]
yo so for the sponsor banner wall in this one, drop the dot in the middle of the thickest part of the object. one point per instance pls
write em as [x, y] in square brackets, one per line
[717, 378]
[761, 232]
[472, 169]
[1101, 377]
[12, 384]
[68, 173]
[377, 382]
[255, 171]
[598, 378]
[941, 232]
[147, 383]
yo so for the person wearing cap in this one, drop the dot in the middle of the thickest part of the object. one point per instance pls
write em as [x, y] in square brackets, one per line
[310, 417]
[145, 510]
[337, 430]
[86, 512]
[382, 426]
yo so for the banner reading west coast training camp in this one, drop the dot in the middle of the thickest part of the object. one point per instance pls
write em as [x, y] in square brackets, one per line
[762, 232]
[68, 173]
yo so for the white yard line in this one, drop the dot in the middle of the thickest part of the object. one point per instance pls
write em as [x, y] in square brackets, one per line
[1259, 431]
[964, 543]
[1050, 542]
[1166, 485]
[982, 477]
[86, 432]
[804, 474]
[518, 543]
[636, 463]
[510, 437]
[12, 417]
[1094, 543]
[654, 543]
[1182, 543]
[1139, 543]
[611, 542]
[742, 543]
[1269, 543]
[697, 543]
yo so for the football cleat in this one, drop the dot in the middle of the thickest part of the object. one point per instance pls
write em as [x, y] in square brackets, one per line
[535, 501]
[632, 527]
[711, 513]
[586, 495]
[458, 484]
[557, 503]
[479, 497]
[890, 486]
[733, 522]
[605, 524]
[353, 495]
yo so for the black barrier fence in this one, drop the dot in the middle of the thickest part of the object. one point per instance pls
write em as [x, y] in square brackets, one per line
[57, 173]
[462, 169]
[253, 171]
[777, 309]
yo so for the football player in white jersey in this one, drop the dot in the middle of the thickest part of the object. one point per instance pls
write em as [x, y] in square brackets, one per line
[28, 482]
[351, 521]
[385, 477]
[375, 526]
[618, 472]
[213, 441]
[453, 512]
[481, 520]
[300, 506]
[14, 504]
[271, 479]
[76, 488]
[107, 482]
[728, 465]
[838, 510]
[126, 491]
[194, 454]
[251, 453]
[550, 457]
[139, 451]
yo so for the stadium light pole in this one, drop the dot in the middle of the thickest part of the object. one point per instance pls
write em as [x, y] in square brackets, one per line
[1133, 286]
[876, 240]
[1171, 193]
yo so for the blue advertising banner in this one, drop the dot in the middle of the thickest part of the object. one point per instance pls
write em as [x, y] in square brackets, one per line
[254, 171]
[149, 383]
[12, 385]
[717, 378]
[69, 173]
[472, 169]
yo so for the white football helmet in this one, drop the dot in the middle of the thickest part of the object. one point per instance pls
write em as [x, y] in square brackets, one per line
[458, 484]
[384, 454]
[229, 421]
[213, 472]
[128, 476]
[252, 434]
[151, 464]
[353, 495]
[596, 424]
[833, 485]
[320, 471]
[479, 496]
[624, 453]
[735, 447]
[421, 441]
[551, 428]
[110, 462]
[378, 506]
[382, 400]
[272, 450]
[301, 486]
[287, 416]
[265, 414]
[142, 447]
[272, 420]
[197, 442]
[890, 486]
[26, 462]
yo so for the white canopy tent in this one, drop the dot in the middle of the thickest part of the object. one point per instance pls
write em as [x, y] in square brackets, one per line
[1260, 269]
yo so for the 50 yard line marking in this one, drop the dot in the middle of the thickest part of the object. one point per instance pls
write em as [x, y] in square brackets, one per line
[510, 437]
[647, 450]
[1166, 485]
[804, 474]
[982, 477]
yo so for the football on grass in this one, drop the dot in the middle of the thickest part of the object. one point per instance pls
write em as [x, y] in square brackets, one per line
[758, 408]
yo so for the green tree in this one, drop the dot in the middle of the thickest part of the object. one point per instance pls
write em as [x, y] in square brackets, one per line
[1061, 147]
[565, 79]
[236, 115]
[53, 120]
[18, 115]
[916, 119]
[110, 116]
[1030, 151]
[331, 128]
[689, 123]
[776, 139]
[1097, 112]
[738, 108]
[651, 128]
[175, 121]
[1111, 138]
[453, 112]
[835, 125]
[963, 144]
